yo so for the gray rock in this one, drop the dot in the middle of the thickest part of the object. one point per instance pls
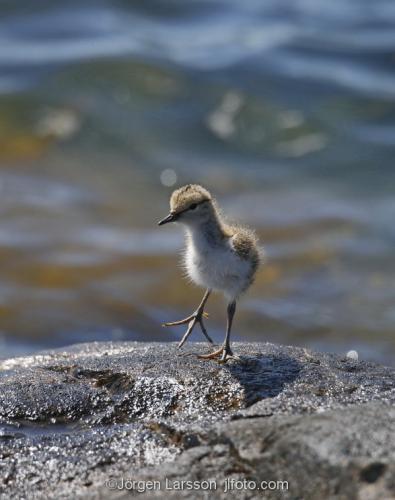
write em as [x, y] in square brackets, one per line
[72, 419]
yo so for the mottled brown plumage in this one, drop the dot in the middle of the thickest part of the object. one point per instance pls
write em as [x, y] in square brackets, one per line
[245, 243]
[183, 198]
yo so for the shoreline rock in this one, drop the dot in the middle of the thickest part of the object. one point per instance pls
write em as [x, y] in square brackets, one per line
[72, 419]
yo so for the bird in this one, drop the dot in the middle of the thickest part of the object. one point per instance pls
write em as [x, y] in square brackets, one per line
[218, 256]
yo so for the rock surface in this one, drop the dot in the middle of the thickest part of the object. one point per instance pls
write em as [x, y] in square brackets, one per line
[86, 421]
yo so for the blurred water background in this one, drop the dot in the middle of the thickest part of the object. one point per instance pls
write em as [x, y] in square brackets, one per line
[283, 108]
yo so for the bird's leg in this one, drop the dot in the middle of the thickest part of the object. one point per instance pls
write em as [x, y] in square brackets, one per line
[196, 317]
[225, 349]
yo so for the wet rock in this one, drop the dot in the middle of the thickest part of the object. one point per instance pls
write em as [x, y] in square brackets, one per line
[72, 419]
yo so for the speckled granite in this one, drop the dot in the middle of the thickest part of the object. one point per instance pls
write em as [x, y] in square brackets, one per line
[72, 419]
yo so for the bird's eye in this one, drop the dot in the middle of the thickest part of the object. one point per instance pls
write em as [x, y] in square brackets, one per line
[193, 206]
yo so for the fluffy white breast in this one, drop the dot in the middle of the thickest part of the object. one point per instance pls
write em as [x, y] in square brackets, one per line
[216, 266]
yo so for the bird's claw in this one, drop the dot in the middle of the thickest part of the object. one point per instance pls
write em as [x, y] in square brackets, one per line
[196, 317]
[223, 354]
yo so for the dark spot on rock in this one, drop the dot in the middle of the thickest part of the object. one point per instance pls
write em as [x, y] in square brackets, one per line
[113, 382]
[320, 390]
[190, 441]
[372, 472]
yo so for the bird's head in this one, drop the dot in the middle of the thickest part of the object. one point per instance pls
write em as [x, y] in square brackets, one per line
[190, 204]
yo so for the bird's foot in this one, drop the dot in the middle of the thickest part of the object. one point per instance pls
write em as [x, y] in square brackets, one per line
[196, 317]
[222, 354]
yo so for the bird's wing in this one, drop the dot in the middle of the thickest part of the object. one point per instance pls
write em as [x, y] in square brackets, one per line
[245, 244]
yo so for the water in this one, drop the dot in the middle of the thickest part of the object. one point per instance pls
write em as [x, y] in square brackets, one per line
[285, 109]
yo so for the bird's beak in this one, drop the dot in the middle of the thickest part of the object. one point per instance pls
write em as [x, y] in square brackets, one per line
[170, 218]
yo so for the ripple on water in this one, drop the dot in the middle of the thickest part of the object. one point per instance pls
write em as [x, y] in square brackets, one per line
[284, 108]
